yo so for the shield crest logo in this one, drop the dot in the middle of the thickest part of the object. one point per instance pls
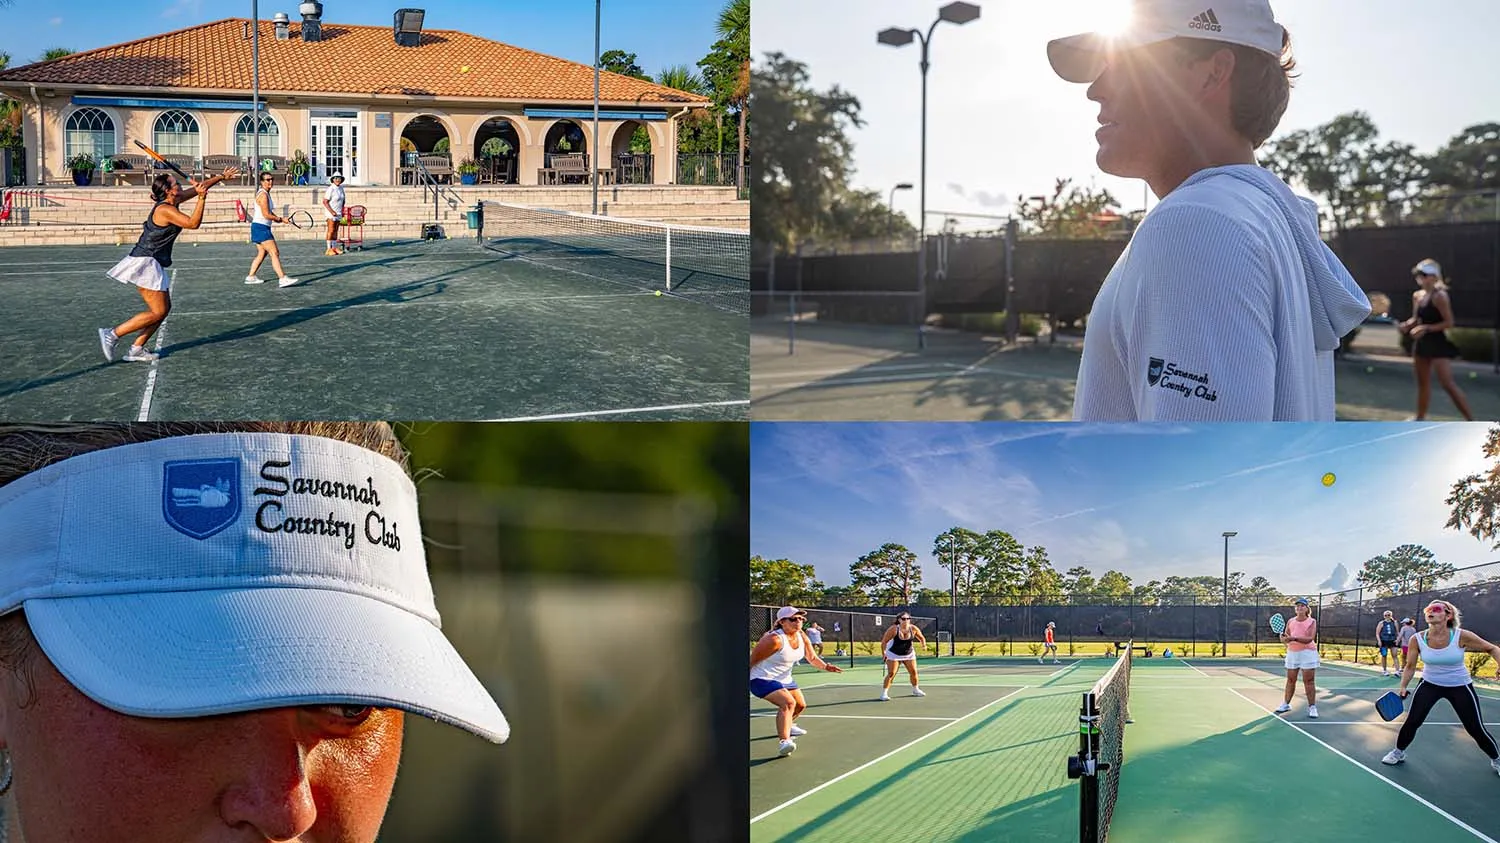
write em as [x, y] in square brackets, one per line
[201, 497]
[1153, 371]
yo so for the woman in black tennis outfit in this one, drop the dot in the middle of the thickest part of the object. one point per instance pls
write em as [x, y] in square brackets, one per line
[1432, 351]
[146, 265]
[897, 645]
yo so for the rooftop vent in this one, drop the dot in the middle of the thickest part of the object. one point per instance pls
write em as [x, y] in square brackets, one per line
[409, 26]
[283, 31]
[312, 20]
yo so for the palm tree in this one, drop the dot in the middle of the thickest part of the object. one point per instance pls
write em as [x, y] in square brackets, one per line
[681, 78]
[10, 110]
[734, 28]
[55, 53]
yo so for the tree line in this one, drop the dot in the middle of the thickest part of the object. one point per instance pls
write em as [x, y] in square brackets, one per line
[805, 162]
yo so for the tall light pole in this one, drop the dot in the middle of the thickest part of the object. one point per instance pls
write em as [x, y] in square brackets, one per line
[890, 224]
[952, 578]
[1227, 536]
[595, 146]
[255, 92]
[957, 12]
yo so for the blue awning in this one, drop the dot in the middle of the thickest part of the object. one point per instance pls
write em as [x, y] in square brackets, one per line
[588, 114]
[201, 105]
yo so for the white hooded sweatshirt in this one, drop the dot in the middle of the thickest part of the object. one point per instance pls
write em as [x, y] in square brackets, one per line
[1225, 306]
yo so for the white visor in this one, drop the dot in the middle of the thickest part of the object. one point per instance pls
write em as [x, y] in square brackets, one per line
[224, 573]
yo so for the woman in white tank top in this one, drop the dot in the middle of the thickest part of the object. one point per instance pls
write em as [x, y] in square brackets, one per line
[1445, 676]
[771, 663]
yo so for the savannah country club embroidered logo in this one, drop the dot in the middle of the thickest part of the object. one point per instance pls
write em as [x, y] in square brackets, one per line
[1165, 375]
[1206, 21]
[286, 497]
[200, 497]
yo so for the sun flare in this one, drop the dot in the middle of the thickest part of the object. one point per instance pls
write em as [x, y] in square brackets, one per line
[1110, 17]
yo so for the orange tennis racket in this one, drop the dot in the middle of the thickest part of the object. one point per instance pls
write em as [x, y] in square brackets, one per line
[156, 155]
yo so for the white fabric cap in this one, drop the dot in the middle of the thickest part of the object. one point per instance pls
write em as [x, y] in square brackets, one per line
[224, 573]
[1428, 267]
[1250, 23]
[788, 612]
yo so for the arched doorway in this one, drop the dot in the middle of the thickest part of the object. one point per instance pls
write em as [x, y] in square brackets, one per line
[566, 138]
[497, 147]
[630, 153]
[424, 136]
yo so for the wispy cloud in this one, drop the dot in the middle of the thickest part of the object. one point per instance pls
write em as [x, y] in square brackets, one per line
[183, 8]
[1337, 581]
[55, 21]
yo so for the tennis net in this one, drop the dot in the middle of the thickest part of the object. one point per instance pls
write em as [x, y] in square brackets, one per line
[1101, 749]
[708, 265]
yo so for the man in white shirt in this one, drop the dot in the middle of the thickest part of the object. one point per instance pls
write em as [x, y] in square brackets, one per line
[333, 211]
[1226, 305]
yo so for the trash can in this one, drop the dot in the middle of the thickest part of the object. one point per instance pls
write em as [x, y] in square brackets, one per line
[473, 215]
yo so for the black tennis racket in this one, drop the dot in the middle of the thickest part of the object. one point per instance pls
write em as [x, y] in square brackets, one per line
[300, 219]
[156, 155]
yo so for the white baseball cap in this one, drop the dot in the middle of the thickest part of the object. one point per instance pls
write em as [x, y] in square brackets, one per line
[1250, 23]
[224, 573]
[789, 612]
[1428, 267]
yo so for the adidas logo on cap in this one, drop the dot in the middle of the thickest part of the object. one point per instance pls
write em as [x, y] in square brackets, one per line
[1206, 21]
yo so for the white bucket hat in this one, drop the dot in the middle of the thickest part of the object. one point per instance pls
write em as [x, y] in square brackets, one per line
[224, 573]
[1249, 23]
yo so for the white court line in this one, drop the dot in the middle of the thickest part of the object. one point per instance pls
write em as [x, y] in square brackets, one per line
[1194, 667]
[1455, 820]
[626, 412]
[161, 331]
[852, 716]
[420, 302]
[795, 799]
[799, 378]
[1373, 723]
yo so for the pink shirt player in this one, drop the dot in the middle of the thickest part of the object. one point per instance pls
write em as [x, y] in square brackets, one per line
[1301, 629]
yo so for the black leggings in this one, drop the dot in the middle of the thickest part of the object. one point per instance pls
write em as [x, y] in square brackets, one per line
[1464, 701]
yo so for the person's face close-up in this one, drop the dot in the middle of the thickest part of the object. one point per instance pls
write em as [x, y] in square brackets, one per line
[315, 774]
[1437, 615]
[1147, 109]
[1302, 610]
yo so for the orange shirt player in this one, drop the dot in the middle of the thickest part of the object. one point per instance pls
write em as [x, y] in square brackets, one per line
[1050, 645]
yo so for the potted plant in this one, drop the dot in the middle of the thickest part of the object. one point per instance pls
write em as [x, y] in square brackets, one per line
[468, 171]
[299, 167]
[82, 166]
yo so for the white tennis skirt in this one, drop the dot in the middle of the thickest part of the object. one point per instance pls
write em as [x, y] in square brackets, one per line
[145, 273]
[909, 657]
[1302, 660]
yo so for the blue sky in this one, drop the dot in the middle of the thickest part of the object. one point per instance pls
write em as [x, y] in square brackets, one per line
[1150, 501]
[661, 33]
[1001, 124]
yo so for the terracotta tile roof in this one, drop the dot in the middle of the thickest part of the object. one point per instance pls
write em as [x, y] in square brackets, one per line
[349, 60]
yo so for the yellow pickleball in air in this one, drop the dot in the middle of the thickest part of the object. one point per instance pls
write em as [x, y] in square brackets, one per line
[1329, 479]
[464, 69]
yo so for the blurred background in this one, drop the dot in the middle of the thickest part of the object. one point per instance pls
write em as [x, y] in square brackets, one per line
[593, 576]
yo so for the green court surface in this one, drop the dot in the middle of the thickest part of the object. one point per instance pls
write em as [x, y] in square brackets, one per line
[410, 330]
[875, 373]
[983, 757]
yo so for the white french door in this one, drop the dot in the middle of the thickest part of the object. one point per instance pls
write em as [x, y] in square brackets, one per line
[334, 145]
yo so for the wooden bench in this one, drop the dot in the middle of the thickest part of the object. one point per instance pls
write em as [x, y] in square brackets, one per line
[216, 164]
[127, 166]
[571, 166]
[277, 167]
[439, 167]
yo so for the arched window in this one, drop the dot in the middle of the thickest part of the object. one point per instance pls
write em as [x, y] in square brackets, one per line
[90, 130]
[175, 133]
[244, 136]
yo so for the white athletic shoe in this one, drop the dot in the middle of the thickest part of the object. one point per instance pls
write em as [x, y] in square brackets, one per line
[918, 692]
[1312, 711]
[251, 279]
[1385, 673]
[140, 355]
[289, 282]
[1055, 661]
[107, 340]
[1283, 708]
[1495, 764]
[885, 696]
[1039, 660]
[797, 731]
[786, 748]
[1395, 756]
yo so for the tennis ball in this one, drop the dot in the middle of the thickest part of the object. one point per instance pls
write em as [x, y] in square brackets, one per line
[464, 69]
[1369, 370]
[1473, 375]
[658, 292]
[1329, 479]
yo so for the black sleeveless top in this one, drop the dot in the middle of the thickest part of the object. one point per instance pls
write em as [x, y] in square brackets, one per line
[1434, 343]
[901, 646]
[156, 240]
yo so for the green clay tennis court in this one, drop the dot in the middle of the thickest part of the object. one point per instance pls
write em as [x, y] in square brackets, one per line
[877, 373]
[410, 330]
[983, 757]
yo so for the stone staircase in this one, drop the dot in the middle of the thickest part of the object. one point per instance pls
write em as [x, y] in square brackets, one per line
[113, 215]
